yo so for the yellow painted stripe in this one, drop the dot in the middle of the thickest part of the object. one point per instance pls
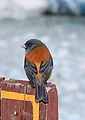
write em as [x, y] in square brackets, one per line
[20, 96]
[16, 96]
[35, 110]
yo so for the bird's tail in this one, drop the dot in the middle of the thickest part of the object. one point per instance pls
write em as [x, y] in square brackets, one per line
[41, 93]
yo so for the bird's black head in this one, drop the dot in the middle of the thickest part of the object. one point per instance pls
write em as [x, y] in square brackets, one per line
[31, 44]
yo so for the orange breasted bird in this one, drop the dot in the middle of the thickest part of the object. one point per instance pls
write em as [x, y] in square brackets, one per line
[38, 66]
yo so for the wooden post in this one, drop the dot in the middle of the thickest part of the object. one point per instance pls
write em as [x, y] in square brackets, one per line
[18, 102]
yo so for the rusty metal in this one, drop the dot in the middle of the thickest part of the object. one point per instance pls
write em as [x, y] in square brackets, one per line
[2, 78]
[23, 110]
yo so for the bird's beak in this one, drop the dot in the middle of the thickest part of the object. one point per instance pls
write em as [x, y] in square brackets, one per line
[23, 46]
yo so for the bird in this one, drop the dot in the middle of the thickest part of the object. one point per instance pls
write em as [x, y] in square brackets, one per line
[38, 65]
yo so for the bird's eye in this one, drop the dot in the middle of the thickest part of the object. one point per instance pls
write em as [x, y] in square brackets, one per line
[29, 45]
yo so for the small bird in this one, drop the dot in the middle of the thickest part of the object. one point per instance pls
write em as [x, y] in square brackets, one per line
[38, 65]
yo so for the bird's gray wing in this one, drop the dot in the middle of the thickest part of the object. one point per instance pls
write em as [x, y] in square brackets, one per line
[31, 71]
[46, 68]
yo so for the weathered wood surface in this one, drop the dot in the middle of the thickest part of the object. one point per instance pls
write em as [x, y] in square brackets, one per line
[12, 109]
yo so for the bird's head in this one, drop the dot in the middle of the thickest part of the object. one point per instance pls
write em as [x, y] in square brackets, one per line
[31, 44]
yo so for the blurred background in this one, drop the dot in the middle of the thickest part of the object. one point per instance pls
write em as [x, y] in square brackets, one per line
[60, 24]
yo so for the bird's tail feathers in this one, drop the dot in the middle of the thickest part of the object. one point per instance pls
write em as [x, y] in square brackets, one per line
[41, 93]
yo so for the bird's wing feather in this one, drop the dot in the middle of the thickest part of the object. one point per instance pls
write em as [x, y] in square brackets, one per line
[46, 68]
[31, 71]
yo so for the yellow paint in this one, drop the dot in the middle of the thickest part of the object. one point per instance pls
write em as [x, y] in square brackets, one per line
[35, 110]
[20, 96]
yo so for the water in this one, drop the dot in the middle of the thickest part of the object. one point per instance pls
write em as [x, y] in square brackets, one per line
[65, 37]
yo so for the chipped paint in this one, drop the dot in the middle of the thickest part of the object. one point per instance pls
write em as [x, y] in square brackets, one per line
[48, 89]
